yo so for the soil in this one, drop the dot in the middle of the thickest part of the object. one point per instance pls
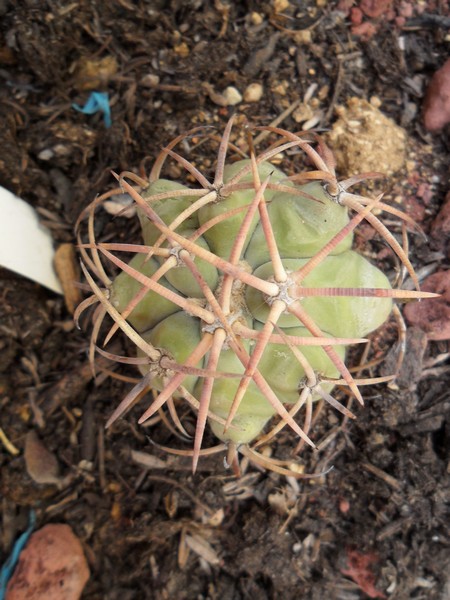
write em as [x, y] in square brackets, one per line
[376, 526]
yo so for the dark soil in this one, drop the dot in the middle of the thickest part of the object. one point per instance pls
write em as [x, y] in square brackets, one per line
[377, 524]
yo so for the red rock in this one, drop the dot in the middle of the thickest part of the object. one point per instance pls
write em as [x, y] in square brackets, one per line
[356, 16]
[365, 31]
[52, 566]
[359, 568]
[433, 315]
[375, 8]
[436, 107]
[425, 192]
[440, 228]
[415, 209]
[344, 505]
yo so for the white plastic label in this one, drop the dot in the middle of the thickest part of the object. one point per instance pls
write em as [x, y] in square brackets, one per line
[26, 247]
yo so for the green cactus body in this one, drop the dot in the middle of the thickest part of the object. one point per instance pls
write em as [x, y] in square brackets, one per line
[352, 316]
[167, 209]
[222, 236]
[178, 346]
[153, 308]
[254, 411]
[301, 226]
[246, 293]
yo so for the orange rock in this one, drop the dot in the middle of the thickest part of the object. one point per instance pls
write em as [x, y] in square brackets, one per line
[52, 566]
[94, 74]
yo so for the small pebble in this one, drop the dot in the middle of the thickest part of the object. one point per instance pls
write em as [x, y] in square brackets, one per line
[182, 50]
[256, 18]
[253, 93]
[280, 5]
[150, 80]
[93, 74]
[46, 154]
[232, 96]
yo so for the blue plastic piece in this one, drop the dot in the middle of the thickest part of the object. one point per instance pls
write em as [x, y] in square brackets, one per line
[97, 101]
[9, 565]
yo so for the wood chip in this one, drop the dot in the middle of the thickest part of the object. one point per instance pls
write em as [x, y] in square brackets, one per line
[147, 460]
[7, 443]
[42, 465]
[391, 481]
[68, 272]
[201, 547]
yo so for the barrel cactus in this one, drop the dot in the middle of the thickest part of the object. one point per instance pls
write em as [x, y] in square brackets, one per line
[245, 293]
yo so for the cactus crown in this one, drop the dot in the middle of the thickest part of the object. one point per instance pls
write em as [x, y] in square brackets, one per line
[245, 293]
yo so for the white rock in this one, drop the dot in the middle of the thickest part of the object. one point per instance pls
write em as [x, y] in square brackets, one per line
[150, 80]
[232, 96]
[253, 92]
[121, 205]
[46, 154]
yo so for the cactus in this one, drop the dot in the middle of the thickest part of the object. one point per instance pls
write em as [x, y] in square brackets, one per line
[245, 293]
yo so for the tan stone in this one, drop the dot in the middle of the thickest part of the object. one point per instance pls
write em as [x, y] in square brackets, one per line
[363, 139]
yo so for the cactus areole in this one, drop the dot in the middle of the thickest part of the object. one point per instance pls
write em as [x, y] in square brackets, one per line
[245, 292]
